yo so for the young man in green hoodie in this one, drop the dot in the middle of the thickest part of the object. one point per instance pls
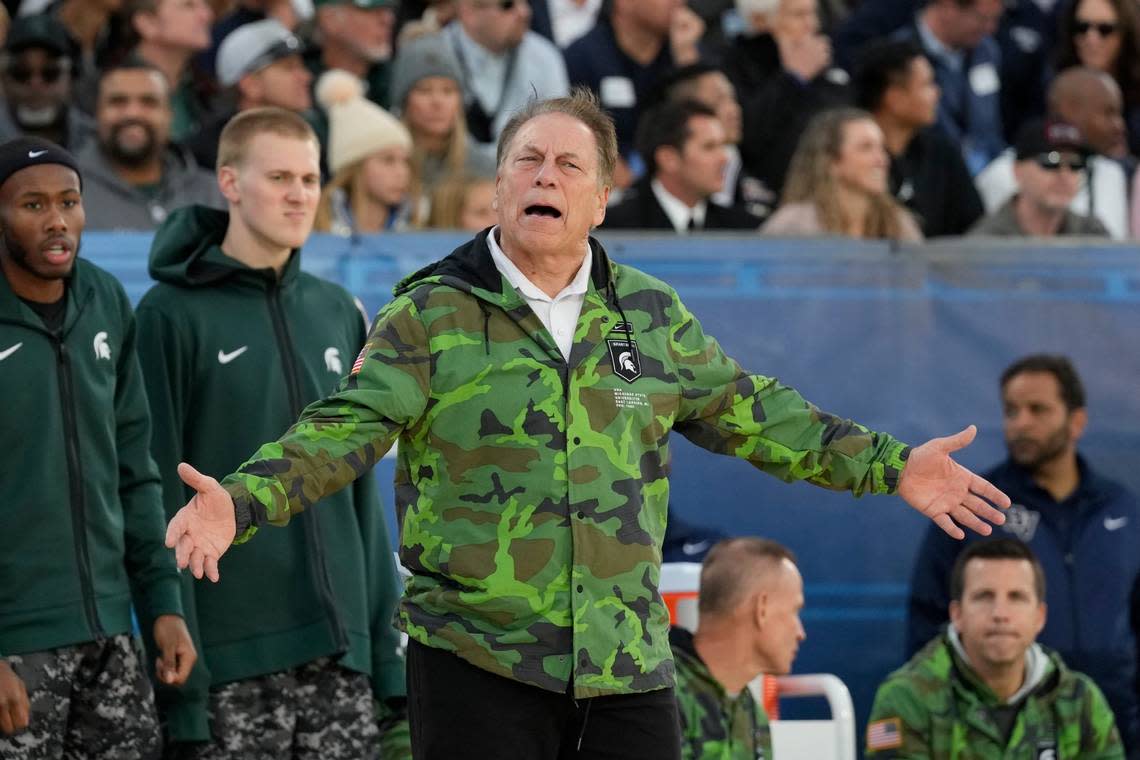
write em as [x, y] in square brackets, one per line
[984, 689]
[235, 340]
[79, 490]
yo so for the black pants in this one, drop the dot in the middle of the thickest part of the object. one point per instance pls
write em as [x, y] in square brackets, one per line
[457, 710]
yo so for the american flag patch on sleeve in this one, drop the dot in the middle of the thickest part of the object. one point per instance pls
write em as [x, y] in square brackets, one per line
[356, 365]
[884, 734]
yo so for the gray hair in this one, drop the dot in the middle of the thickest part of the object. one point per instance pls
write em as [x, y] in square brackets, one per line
[580, 104]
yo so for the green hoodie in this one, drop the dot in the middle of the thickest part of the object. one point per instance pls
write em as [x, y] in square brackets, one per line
[79, 494]
[936, 706]
[532, 490]
[231, 355]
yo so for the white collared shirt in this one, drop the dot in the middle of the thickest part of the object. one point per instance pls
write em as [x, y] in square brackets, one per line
[560, 313]
[677, 211]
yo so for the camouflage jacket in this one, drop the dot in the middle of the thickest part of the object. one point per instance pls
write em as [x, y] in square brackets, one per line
[715, 726]
[936, 707]
[531, 490]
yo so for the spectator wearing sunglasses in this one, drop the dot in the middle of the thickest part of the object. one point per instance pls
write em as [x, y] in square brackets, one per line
[1050, 161]
[36, 72]
[260, 63]
[1090, 101]
[1105, 35]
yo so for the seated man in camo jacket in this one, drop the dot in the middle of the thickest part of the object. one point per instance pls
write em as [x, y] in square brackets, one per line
[750, 601]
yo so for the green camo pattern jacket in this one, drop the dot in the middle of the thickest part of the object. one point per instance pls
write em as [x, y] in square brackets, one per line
[715, 726]
[936, 707]
[532, 491]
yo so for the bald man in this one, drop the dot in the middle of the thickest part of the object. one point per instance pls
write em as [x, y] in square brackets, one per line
[1090, 100]
[750, 602]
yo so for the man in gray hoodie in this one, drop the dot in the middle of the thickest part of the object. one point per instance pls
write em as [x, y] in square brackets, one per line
[133, 175]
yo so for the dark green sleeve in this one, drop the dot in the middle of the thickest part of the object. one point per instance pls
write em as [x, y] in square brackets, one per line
[897, 702]
[728, 411]
[150, 565]
[1100, 738]
[166, 358]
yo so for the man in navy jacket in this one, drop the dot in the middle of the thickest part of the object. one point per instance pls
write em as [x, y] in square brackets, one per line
[1084, 528]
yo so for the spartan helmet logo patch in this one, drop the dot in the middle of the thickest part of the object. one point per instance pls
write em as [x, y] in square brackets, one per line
[625, 358]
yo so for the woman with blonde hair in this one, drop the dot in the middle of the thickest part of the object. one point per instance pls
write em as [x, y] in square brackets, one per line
[427, 96]
[463, 203]
[837, 183]
[369, 156]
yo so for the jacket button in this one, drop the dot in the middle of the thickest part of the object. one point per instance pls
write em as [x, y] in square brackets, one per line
[577, 441]
[581, 515]
[581, 588]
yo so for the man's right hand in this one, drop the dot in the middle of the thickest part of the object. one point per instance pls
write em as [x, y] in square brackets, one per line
[806, 57]
[203, 530]
[15, 709]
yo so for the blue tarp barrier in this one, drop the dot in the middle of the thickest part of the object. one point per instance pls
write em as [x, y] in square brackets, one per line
[905, 339]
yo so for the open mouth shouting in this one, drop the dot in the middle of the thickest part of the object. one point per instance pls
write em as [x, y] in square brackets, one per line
[541, 211]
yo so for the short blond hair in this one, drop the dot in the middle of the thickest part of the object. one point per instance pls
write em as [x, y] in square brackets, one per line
[580, 104]
[242, 128]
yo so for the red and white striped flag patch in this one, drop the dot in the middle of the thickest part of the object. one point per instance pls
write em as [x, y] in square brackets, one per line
[356, 365]
[884, 734]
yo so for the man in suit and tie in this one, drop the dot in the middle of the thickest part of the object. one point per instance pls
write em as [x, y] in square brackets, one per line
[683, 144]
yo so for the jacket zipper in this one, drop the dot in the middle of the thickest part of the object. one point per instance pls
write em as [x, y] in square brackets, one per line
[313, 536]
[75, 485]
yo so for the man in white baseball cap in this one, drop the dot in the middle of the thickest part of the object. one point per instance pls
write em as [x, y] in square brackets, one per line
[261, 62]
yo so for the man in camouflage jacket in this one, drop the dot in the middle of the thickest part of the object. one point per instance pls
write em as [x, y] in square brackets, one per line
[534, 447]
[750, 602]
[984, 690]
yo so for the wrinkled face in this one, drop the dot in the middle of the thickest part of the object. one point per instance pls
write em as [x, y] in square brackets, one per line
[1039, 429]
[780, 630]
[183, 24]
[366, 32]
[862, 163]
[547, 191]
[702, 157]
[37, 83]
[432, 107]
[478, 211]
[969, 25]
[795, 20]
[41, 219]
[917, 101]
[716, 91]
[999, 615]
[275, 189]
[1096, 35]
[1050, 181]
[497, 25]
[283, 83]
[387, 175]
[133, 115]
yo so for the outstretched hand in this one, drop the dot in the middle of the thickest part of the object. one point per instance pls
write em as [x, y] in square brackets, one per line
[202, 531]
[947, 492]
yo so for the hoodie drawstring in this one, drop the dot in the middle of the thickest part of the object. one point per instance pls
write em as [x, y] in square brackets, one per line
[486, 328]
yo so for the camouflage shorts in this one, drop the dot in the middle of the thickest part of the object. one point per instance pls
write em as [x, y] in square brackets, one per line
[89, 700]
[318, 710]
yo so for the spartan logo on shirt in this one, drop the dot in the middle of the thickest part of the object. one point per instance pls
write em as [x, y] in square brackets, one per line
[625, 358]
[1022, 522]
[332, 361]
[102, 350]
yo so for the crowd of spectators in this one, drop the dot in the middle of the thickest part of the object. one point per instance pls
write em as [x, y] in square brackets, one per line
[140, 90]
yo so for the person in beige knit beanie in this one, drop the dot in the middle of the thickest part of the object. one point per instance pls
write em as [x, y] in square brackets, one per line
[369, 153]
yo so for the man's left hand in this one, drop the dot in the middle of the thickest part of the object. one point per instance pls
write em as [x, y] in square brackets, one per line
[947, 492]
[685, 31]
[177, 650]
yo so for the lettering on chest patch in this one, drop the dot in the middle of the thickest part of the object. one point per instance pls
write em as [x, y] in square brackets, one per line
[629, 399]
[625, 358]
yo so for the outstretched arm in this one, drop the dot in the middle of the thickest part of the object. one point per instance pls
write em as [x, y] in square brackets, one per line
[947, 492]
[202, 531]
